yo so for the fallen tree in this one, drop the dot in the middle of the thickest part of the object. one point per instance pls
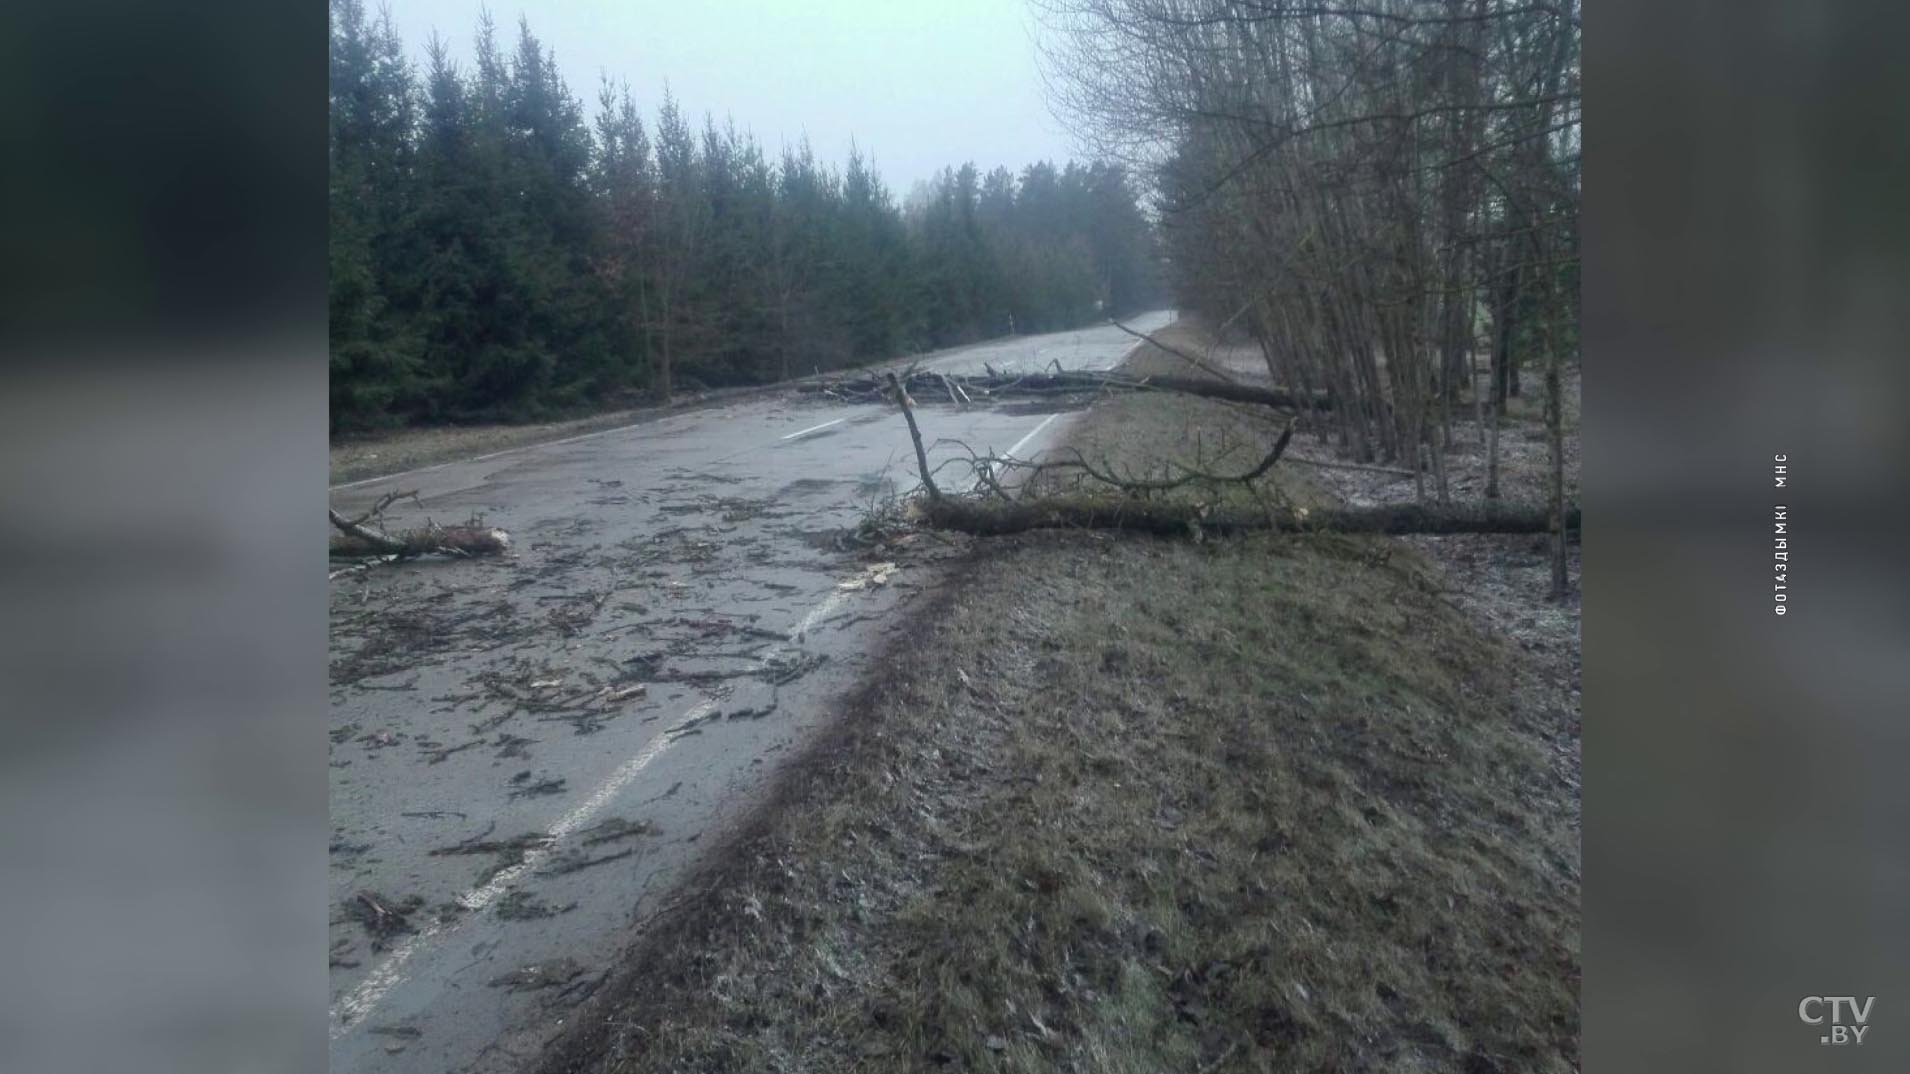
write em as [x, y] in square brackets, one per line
[361, 537]
[1136, 511]
[427, 541]
[1202, 364]
[967, 388]
[992, 518]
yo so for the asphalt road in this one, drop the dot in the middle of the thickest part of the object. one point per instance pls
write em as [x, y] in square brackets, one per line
[526, 752]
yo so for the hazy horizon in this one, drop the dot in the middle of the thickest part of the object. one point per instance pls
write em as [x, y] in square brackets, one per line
[916, 86]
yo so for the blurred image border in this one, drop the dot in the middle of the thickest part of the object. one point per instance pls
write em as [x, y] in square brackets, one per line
[1747, 258]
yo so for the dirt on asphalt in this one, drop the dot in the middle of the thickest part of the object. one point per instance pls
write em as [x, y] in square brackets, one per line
[1111, 803]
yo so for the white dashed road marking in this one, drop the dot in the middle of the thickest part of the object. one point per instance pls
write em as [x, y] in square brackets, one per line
[814, 428]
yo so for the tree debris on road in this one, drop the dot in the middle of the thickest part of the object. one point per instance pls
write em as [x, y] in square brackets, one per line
[382, 917]
[364, 536]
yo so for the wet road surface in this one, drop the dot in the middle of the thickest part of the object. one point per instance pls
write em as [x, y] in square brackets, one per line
[525, 752]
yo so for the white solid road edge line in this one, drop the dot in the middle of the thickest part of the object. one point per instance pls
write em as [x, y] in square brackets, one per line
[359, 1002]
[352, 1008]
[1032, 433]
[814, 428]
[1019, 444]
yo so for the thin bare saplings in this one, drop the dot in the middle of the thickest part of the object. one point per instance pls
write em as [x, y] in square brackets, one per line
[1373, 192]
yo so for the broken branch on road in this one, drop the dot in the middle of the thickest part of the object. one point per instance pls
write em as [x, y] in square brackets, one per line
[902, 399]
[506, 852]
[572, 862]
[364, 536]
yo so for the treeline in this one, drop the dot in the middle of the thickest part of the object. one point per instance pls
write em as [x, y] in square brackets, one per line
[497, 252]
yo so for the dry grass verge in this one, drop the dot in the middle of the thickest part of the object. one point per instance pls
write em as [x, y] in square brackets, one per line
[1125, 804]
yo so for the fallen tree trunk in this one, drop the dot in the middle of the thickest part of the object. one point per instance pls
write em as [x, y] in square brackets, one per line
[1069, 381]
[1233, 393]
[354, 539]
[1181, 519]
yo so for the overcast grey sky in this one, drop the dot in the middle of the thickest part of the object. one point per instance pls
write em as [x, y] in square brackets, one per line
[917, 83]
